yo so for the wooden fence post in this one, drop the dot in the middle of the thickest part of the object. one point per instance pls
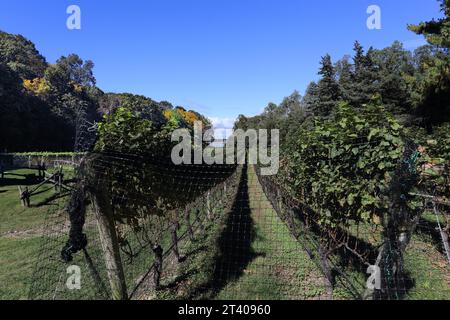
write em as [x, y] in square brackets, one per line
[110, 245]
[27, 197]
[21, 196]
[158, 251]
[24, 196]
[41, 170]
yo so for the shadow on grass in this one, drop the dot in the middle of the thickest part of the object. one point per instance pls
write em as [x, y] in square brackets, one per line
[179, 279]
[49, 200]
[100, 286]
[235, 243]
[29, 181]
[232, 251]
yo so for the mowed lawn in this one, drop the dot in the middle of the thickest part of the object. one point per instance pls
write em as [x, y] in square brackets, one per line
[20, 232]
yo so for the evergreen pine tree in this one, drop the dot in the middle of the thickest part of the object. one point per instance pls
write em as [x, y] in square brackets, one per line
[344, 74]
[311, 97]
[365, 77]
[395, 66]
[327, 88]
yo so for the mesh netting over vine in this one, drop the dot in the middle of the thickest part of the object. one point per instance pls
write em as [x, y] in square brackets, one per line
[215, 232]
[343, 219]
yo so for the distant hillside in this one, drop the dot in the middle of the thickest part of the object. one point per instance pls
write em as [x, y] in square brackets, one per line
[50, 107]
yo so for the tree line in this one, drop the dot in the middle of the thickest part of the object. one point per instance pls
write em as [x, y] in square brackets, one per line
[53, 107]
[344, 137]
[412, 85]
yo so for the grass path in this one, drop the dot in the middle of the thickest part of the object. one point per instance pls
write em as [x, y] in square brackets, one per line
[261, 259]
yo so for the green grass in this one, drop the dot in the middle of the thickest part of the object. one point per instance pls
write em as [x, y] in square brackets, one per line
[281, 268]
[17, 257]
[429, 271]
[278, 268]
[13, 215]
[194, 275]
[21, 231]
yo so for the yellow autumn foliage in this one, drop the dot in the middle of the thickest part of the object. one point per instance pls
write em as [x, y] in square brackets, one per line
[187, 116]
[190, 117]
[38, 86]
[168, 114]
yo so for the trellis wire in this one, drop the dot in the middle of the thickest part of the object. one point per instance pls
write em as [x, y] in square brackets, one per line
[343, 253]
[48, 275]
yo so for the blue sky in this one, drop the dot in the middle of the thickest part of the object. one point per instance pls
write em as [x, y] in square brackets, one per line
[219, 57]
